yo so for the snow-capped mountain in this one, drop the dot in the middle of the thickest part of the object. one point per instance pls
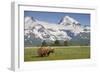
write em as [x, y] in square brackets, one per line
[66, 29]
[71, 24]
[68, 21]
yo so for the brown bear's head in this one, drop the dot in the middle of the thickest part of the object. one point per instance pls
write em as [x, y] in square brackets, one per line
[51, 50]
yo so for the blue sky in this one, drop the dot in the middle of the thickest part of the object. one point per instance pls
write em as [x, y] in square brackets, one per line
[55, 17]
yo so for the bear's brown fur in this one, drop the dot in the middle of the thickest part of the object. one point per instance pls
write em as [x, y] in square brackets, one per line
[45, 51]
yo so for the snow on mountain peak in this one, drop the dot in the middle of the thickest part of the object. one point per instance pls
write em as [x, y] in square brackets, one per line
[67, 20]
[29, 19]
[29, 22]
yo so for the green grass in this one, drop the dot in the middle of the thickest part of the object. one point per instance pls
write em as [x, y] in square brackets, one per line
[30, 54]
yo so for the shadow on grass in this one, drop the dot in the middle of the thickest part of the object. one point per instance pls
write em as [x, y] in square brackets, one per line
[36, 56]
[39, 56]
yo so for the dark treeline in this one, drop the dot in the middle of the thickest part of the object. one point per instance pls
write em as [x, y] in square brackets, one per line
[57, 43]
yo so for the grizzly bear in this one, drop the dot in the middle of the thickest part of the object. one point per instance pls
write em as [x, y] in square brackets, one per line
[45, 51]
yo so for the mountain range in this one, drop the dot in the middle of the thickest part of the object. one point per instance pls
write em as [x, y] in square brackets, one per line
[68, 29]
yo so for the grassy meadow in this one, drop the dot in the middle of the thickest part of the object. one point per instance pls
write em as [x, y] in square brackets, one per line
[61, 53]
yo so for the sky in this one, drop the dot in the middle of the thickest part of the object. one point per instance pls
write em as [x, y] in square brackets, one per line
[55, 17]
